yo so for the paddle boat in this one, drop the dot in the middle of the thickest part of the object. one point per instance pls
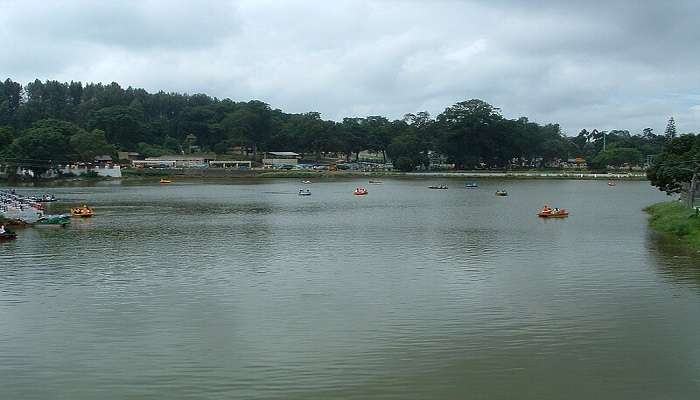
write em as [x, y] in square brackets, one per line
[47, 198]
[60, 220]
[547, 212]
[440, 187]
[7, 235]
[163, 180]
[375, 182]
[611, 183]
[501, 193]
[360, 191]
[82, 212]
[471, 185]
[306, 182]
[303, 192]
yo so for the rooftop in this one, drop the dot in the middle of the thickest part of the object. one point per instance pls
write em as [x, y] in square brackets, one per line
[283, 153]
[179, 157]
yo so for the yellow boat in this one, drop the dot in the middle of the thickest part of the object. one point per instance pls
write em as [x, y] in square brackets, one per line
[82, 212]
[163, 180]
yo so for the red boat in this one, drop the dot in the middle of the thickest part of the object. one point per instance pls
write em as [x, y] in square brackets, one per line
[547, 212]
[360, 192]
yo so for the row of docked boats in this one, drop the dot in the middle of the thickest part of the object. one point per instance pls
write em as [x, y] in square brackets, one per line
[20, 210]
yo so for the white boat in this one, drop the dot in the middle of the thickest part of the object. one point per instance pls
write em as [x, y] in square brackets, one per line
[28, 215]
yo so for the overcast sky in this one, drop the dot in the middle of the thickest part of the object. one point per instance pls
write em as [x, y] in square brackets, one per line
[596, 64]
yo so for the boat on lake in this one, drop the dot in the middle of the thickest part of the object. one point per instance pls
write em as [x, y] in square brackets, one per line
[439, 187]
[47, 198]
[371, 182]
[82, 212]
[611, 183]
[306, 182]
[501, 193]
[7, 235]
[303, 192]
[60, 220]
[360, 191]
[163, 180]
[547, 212]
[471, 185]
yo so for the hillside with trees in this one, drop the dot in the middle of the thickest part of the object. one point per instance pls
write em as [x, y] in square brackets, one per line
[42, 123]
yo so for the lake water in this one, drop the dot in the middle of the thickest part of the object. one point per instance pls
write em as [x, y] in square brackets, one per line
[247, 290]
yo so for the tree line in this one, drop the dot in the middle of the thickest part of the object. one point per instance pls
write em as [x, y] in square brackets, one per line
[60, 121]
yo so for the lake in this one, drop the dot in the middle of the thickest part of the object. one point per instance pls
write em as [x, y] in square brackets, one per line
[247, 290]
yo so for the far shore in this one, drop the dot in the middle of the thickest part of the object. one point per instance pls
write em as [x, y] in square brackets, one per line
[131, 175]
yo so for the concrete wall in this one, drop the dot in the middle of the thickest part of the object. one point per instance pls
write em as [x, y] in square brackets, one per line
[112, 171]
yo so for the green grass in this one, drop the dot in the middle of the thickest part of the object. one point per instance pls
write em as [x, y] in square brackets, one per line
[676, 219]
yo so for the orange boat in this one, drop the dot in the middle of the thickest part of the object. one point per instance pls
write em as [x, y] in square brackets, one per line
[82, 212]
[547, 212]
[360, 192]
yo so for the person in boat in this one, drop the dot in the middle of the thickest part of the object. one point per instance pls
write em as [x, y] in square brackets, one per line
[2, 229]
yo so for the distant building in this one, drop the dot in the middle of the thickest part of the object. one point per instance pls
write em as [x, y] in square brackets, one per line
[106, 170]
[129, 155]
[231, 164]
[103, 159]
[175, 161]
[281, 158]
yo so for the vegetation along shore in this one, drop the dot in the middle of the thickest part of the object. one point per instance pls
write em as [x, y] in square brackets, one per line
[673, 218]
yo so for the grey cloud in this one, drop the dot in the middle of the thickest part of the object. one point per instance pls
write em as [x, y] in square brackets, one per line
[592, 64]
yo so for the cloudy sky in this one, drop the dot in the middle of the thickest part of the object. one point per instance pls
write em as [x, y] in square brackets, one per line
[589, 64]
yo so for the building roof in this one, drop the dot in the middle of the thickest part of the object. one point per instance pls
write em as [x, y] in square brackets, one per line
[178, 157]
[283, 153]
[103, 158]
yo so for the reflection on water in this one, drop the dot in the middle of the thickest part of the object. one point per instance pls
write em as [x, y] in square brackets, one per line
[674, 259]
[250, 291]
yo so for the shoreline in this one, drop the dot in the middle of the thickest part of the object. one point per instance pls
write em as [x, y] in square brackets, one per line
[130, 175]
[676, 221]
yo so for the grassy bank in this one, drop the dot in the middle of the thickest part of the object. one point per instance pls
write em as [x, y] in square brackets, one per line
[675, 219]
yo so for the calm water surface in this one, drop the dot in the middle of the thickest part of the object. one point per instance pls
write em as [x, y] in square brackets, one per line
[219, 291]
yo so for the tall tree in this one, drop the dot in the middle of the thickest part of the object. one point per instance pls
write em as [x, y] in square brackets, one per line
[670, 131]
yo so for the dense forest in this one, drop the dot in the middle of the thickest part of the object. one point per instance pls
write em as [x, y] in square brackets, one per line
[42, 123]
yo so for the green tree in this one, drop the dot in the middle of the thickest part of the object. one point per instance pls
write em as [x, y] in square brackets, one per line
[122, 125]
[670, 131]
[87, 145]
[617, 157]
[672, 171]
[7, 135]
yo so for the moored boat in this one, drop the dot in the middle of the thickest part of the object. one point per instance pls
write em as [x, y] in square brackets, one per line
[8, 235]
[53, 220]
[47, 198]
[82, 212]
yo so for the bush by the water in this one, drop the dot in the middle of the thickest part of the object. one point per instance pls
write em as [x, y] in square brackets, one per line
[676, 219]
